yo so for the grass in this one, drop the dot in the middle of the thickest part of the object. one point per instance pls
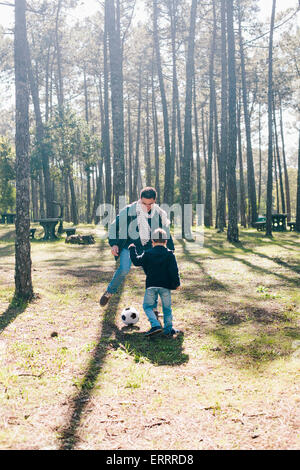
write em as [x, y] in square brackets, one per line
[73, 377]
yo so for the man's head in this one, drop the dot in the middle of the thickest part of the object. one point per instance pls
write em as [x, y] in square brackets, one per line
[159, 237]
[148, 197]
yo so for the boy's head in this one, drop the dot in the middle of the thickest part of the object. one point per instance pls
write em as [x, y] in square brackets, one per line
[159, 237]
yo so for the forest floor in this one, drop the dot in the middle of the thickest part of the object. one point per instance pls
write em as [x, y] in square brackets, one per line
[73, 377]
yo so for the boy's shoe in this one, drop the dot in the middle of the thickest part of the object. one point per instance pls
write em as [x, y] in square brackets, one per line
[154, 331]
[172, 333]
[105, 298]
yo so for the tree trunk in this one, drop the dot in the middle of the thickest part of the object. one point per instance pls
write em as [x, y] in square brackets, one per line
[167, 193]
[74, 210]
[232, 232]
[250, 167]
[116, 74]
[224, 124]
[138, 137]
[260, 159]
[270, 138]
[23, 280]
[286, 176]
[106, 133]
[241, 168]
[278, 161]
[147, 140]
[186, 189]
[156, 143]
[208, 192]
[198, 166]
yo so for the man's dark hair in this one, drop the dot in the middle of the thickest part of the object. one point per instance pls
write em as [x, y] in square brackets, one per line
[159, 235]
[149, 193]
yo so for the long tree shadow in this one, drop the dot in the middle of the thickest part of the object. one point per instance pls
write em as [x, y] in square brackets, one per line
[292, 267]
[15, 309]
[69, 435]
[213, 282]
[253, 266]
[7, 250]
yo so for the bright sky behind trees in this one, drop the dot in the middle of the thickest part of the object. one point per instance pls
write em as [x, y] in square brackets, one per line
[88, 7]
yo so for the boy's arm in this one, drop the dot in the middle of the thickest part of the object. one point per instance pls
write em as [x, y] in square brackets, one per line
[173, 271]
[138, 260]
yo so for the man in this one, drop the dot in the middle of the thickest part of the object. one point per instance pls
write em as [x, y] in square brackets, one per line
[135, 224]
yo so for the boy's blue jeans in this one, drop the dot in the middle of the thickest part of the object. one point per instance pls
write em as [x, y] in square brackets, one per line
[150, 303]
[121, 273]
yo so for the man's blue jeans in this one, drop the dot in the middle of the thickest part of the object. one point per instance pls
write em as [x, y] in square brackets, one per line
[150, 302]
[121, 272]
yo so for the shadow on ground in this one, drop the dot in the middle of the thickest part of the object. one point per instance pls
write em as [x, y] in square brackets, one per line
[158, 350]
[69, 437]
[11, 313]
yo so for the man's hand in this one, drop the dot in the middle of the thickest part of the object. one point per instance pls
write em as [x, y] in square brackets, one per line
[115, 250]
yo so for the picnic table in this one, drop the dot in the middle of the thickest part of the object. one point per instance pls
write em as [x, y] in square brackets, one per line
[8, 218]
[49, 228]
[278, 223]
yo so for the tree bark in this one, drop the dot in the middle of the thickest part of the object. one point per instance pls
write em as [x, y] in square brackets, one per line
[250, 167]
[224, 124]
[167, 194]
[156, 142]
[23, 280]
[116, 75]
[282, 196]
[233, 231]
[186, 189]
[286, 176]
[270, 137]
[208, 192]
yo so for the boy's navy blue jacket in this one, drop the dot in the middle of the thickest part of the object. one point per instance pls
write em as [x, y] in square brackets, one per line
[160, 267]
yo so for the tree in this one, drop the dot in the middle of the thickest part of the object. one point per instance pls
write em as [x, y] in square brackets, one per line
[23, 280]
[112, 13]
[208, 192]
[270, 127]
[167, 194]
[224, 123]
[250, 168]
[233, 231]
[186, 187]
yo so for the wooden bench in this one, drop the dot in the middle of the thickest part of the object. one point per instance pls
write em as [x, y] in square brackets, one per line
[70, 231]
[292, 226]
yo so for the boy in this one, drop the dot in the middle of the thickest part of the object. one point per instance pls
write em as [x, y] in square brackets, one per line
[162, 276]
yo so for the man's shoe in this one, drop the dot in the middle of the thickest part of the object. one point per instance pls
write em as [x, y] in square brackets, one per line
[105, 298]
[154, 331]
[172, 333]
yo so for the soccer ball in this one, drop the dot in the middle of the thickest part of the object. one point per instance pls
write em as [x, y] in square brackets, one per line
[130, 316]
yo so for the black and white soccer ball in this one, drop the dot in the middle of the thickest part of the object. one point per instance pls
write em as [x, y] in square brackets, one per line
[130, 316]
